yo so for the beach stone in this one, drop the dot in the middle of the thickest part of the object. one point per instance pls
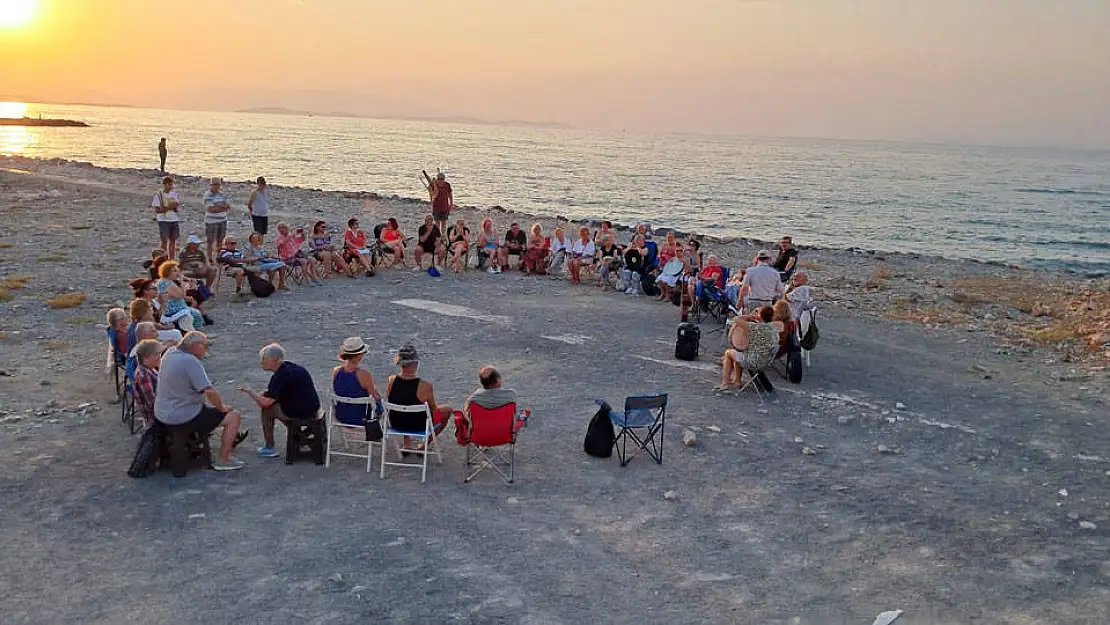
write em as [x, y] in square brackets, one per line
[689, 439]
[846, 419]
[1087, 525]
[670, 495]
[890, 451]
[809, 451]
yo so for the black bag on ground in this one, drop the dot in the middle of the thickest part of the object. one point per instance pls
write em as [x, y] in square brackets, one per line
[794, 360]
[147, 454]
[689, 339]
[260, 286]
[373, 429]
[647, 284]
[599, 434]
[812, 335]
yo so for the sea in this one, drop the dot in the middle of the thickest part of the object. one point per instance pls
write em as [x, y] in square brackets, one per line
[1044, 208]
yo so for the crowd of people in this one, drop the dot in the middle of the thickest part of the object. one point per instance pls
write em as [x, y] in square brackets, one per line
[160, 341]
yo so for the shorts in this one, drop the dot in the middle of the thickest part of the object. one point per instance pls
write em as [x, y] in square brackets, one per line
[215, 232]
[169, 230]
[207, 420]
[440, 215]
[429, 247]
[260, 223]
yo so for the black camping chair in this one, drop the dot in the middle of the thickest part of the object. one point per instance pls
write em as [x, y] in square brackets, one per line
[642, 421]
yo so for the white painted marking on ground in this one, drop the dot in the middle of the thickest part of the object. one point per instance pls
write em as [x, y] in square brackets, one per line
[451, 310]
[945, 426]
[681, 364]
[569, 339]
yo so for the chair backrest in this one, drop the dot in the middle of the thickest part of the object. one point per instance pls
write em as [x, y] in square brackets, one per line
[418, 408]
[490, 428]
[336, 400]
[724, 275]
[642, 410]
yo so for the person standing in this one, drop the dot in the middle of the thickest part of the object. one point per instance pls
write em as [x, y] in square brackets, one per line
[166, 204]
[443, 201]
[162, 153]
[216, 207]
[258, 205]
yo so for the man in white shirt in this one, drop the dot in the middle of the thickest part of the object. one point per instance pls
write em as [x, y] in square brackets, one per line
[216, 206]
[166, 203]
[761, 285]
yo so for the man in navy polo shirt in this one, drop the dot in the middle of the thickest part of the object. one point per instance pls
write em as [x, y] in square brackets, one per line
[291, 395]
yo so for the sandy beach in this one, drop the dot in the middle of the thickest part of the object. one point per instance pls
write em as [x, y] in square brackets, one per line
[947, 454]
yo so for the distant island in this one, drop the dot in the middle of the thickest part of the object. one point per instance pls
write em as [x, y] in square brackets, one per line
[38, 121]
[278, 110]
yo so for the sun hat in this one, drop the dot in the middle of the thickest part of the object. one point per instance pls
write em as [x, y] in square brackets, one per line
[406, 356]
[763, 254]
[193, 239]
[352, 346]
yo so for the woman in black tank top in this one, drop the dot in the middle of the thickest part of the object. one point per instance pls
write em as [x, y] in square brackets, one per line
[402, 392]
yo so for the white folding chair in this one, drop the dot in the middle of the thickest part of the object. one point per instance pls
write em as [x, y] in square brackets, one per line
[352, 437]
[431, 441]
[806, 317]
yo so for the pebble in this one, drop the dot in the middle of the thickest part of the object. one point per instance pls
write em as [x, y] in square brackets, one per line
[713, 428]
[198, 515]
[1087, 525]
[845, 420]
[883, 449]
[670, 495]
[899, 406]
[809, 451]
[798, 439]
[512, 501]
[689, 439]
[1063, 492]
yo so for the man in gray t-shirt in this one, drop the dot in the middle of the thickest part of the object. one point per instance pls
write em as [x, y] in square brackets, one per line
[762, 284]
[183, 386]
[491, 396]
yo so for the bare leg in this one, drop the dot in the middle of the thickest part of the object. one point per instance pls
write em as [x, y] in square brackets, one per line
[227, 437]
[727, 365]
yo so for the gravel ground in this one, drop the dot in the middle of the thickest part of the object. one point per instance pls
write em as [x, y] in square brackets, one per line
[919, 466]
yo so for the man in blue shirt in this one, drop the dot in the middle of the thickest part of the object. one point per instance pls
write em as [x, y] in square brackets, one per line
[291, 395]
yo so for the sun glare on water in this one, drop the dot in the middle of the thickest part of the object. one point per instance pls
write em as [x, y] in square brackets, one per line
[16, 13]
[12, 110]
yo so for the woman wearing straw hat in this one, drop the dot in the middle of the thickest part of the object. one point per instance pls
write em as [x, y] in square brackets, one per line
[352, 381]
[407, 389]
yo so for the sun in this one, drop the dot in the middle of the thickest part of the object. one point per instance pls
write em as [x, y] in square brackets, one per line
[16, 13]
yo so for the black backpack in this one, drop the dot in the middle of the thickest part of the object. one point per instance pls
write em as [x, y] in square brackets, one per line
[794, 360]
[147, 454]
[689, 339]
[812, 335]
[599, 434]
[260, 286]
[647, 284]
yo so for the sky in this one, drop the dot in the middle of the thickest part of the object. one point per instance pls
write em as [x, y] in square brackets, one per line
[1028, 72]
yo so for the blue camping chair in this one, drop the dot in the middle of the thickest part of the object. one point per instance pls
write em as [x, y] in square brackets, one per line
[711, 302]
[642, 421]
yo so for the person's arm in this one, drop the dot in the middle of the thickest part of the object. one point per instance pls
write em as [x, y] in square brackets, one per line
[213, 397]
[425, 394]
[790, 263]
[424, 237]
[366, 381]
[159, 203]
[174, 291]
[451, 198]
[263, 401]
[250, 202]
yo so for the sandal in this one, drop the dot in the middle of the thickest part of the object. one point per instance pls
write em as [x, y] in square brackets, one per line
[722, 389]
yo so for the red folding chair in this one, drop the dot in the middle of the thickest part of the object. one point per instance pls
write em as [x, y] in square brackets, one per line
[485, 434]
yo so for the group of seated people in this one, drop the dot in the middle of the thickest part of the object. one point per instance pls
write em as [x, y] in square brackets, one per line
[171, 387]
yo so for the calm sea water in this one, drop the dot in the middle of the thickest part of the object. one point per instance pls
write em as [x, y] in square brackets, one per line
[1034, 207]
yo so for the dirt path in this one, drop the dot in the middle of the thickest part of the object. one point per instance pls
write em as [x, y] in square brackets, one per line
[964, 520]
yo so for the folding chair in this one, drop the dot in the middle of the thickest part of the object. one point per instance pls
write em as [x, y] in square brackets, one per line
[431, 441]
[711, 302]
[352, 438]
[119, 366]
[484, 433]
[647, 413]
[806, 317]
[296, 272]
[757, 379]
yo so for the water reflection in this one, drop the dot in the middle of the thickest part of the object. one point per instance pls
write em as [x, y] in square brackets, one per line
[17, 140]
[13, 110]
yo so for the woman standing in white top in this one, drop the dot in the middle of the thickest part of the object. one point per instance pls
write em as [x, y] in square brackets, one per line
[258, 205]
[166, 203]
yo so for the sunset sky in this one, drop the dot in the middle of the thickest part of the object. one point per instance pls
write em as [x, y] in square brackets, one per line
[996, 71]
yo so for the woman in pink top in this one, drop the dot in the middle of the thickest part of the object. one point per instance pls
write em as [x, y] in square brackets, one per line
[289, 251]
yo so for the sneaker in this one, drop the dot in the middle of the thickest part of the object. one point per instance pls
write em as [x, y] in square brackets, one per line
[491, 270]
[497, 270]
[267, 452]
[232, 465]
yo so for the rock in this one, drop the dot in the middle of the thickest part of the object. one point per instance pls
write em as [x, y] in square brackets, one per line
[886, 618]
[845, 419]
[1063, 492]
[890, 451]
[713, 428]
[798, 439]
[689, 439]
[899, 406]
[809, 451]
[198, 515]
[512, 501]
[336, 578]
[670, 495]
[1087, 525]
